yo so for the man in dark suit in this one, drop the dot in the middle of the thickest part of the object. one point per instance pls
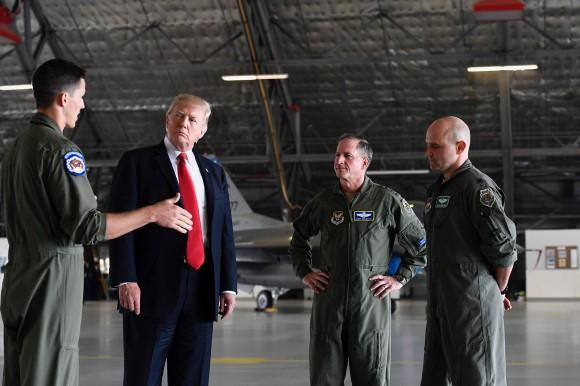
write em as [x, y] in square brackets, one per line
[173, 286]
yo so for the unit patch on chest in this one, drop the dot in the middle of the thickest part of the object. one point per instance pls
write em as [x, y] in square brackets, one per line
[442, 201]
[337, 217]
[364, 215]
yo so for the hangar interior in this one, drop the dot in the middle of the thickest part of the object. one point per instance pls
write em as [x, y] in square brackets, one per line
[383, 69]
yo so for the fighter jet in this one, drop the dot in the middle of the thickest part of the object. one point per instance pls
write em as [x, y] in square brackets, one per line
[264, 267]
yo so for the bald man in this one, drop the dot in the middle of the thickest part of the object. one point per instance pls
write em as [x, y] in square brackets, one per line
[471, 247]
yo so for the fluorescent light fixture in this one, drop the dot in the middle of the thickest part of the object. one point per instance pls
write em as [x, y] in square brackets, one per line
[396, 172]
[518, 67]
[236, 78]
[16, 87]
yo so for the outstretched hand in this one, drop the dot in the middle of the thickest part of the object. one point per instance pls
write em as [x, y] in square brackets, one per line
[169, 215]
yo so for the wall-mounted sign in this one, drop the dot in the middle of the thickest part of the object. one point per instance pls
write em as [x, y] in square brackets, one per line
[562, 257]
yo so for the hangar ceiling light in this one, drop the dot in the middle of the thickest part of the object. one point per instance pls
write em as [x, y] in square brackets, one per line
[16, 87]
[236, 78]
[396, 172]
[518, 67]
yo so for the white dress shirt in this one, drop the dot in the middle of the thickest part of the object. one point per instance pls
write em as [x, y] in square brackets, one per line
[195, 173]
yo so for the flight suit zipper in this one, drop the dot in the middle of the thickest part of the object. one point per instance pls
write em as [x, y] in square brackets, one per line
[349, 254]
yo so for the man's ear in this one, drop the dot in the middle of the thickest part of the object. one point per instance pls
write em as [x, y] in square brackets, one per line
[61, 99]
[203, 131]
[460, 147]
[366, 163]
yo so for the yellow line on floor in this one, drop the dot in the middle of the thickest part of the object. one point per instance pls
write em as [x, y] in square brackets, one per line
[262, 360]
[99, 357]
[252, 360]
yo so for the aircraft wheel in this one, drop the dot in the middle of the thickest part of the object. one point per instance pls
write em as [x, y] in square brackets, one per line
[264, 300]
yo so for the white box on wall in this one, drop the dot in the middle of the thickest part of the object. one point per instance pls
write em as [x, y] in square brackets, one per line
[544, 280]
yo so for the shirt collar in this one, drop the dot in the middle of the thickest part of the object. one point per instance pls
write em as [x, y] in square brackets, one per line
[45, 120]
[465, 166]
[367, 183]
[173, 152]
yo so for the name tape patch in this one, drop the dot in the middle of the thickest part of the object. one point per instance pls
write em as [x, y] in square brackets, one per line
[364, 215]
[442, 201]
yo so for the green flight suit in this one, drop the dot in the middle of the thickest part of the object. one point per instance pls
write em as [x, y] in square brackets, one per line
[49, 211]
[348, 324]
[468, 235]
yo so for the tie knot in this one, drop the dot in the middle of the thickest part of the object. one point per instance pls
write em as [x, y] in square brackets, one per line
[182, 157]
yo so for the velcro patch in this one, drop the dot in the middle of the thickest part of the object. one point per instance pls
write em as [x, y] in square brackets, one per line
[337, 217]
[442, 201]
[486, 197]
[364, 215]
[421, 243]
[74, 163]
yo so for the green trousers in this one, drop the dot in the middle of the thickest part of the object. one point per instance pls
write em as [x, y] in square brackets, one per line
[41, 310]
[357, 336]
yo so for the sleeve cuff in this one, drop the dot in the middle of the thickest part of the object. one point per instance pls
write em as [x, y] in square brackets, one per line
[103, 227]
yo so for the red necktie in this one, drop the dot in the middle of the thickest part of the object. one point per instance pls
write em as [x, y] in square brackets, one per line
[195, 255]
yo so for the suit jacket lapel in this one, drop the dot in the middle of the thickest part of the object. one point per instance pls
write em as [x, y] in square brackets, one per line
[165, 165]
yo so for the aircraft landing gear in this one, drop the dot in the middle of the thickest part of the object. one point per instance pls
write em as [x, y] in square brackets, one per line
[264, 300]
[266, 297]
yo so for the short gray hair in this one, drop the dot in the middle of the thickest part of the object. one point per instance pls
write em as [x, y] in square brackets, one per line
[191, 100]
[364, 147]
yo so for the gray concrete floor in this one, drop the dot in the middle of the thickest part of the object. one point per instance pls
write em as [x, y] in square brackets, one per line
[543, 345]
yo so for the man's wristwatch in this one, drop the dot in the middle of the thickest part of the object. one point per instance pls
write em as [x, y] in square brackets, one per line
[401, 279]
[504, 291]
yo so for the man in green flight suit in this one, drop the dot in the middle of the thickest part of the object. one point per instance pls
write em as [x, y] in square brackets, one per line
[472, 249]
[49, 211]
[358, 221]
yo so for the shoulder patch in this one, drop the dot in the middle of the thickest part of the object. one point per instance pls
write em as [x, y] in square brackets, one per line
[486, 197]
[74, 163]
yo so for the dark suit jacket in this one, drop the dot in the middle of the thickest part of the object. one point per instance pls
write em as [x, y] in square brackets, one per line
[153, 256]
